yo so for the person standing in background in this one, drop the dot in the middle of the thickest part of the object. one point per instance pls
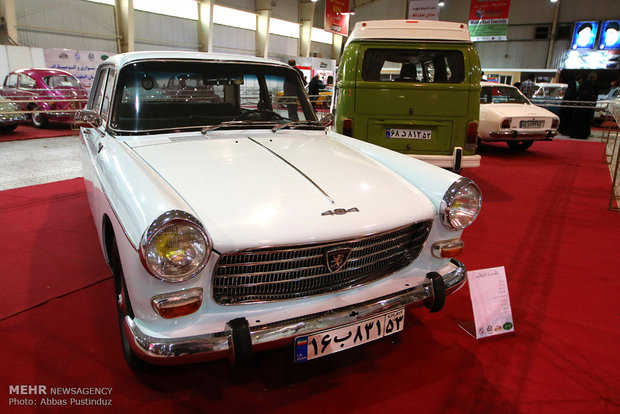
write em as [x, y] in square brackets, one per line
[528, 87]
[313, 89]
[293, 63]
[567, 110]
[582, 117]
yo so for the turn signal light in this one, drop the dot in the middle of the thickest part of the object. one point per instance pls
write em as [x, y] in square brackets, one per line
[555, 123]
[176, 304]
[506, 122]
[447, 249]
[347, 127]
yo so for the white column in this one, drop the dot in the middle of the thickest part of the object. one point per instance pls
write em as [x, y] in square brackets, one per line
[126, 25]
[205, 25]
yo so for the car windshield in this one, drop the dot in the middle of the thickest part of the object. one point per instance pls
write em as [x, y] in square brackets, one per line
[552, 92]
[61, 81]
[501, 94]
[164, 95]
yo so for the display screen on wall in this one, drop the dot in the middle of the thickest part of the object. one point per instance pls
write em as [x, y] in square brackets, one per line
[584, 35]
[610, 35]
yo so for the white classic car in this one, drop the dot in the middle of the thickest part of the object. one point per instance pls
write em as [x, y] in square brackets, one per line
[507, 115]
[232, 226]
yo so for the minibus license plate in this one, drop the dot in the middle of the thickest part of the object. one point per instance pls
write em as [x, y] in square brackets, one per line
[531, 124]
[349, 336]
[408, 133]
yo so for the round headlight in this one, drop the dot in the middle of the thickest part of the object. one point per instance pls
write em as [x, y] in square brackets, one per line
[461, 204]
[175, 247]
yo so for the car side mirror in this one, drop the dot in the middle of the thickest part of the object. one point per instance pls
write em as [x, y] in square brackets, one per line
[89, 117]
[327, 120]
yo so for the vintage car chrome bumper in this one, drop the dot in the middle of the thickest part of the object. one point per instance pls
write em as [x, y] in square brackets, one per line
[218, 345]
[521, 135]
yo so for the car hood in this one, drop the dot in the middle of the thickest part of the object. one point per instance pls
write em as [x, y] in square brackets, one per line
[515, 110]
[256, 190]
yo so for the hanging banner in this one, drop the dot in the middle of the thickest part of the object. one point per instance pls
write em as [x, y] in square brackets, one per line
[337, 16]
[80, 63]
[488, 20]
[423, 10]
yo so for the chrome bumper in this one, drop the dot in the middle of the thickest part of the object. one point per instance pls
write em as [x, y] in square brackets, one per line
[521, 135]
[170, 351]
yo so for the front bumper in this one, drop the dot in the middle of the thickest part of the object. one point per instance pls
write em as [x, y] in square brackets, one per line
[218, 345]
[456, 161]
[517, 135]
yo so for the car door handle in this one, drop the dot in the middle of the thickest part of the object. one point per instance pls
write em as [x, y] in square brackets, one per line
[99, 147]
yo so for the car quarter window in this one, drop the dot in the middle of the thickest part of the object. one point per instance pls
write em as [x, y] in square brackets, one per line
[98, 90]
[107, 96]
[413, 65]
[26, 82]
[11, 81]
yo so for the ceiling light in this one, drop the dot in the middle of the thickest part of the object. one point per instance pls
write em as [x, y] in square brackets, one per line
[441, 3]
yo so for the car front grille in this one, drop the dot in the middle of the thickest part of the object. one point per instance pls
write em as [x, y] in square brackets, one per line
[279, 273]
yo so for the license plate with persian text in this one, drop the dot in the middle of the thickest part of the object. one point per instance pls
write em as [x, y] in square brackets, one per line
[408, 133]
[531, 124]
[349, 336]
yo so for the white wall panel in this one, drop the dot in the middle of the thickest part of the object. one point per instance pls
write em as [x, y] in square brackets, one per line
[530, 54]
[72, 24]
[159, 32]
[228, 39]
[282, 46]
[321, 50]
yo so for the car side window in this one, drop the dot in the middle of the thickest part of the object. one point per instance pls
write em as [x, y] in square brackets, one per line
[98, 93]
[107, 96]
[11, 81]
[26, 82]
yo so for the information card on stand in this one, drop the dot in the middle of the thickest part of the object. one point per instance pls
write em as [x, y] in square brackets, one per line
[490, 302]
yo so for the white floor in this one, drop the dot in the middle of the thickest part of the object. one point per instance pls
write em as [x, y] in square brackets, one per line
[37, 161]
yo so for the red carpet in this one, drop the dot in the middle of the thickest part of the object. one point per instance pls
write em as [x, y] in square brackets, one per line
[544, 218]
[27, 131]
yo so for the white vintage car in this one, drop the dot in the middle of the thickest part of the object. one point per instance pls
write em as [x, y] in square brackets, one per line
[507, 115]
[233, 226]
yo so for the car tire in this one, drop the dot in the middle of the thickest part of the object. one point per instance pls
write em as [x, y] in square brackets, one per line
[519, 145]
[123, 307]
[8, 128]
[38, 119]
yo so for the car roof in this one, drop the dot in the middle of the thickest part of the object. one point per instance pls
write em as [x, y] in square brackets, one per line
[409, 30]
[41, 71]
[126, 58]
[552, 84]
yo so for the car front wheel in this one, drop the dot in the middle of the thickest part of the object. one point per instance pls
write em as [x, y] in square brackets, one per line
[123, 307]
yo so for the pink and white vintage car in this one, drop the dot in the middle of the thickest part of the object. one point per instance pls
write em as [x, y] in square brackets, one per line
[47, 94]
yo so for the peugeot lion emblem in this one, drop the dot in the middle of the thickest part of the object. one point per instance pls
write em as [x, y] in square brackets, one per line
[337, 258]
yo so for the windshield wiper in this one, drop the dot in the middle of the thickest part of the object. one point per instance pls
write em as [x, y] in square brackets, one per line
[224, 125]
[295, 124]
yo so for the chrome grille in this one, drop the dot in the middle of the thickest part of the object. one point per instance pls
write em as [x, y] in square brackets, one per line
[279, 273]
